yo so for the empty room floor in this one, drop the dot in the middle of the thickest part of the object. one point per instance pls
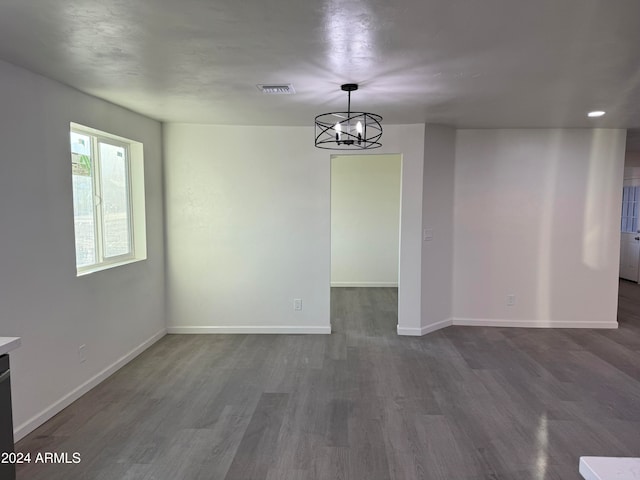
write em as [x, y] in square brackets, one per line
[361, 403]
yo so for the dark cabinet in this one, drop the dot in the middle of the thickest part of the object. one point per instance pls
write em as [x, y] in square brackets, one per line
[7, 470]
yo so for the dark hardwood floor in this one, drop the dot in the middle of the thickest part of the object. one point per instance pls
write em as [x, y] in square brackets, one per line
[360, 404]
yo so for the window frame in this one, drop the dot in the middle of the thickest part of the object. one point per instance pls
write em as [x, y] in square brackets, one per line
[136, 239]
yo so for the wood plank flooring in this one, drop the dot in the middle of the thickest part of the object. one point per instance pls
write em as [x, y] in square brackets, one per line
[463, 403]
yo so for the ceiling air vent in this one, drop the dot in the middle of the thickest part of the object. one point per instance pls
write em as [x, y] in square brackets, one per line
[280, 89]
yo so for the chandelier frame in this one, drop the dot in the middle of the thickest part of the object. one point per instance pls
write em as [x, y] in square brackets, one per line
[348, 130]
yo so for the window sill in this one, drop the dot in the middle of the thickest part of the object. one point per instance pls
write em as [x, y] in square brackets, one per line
[106, 266]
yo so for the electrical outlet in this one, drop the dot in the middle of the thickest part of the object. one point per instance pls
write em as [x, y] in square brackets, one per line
[511, 300]
[297, 304]
[82, 353]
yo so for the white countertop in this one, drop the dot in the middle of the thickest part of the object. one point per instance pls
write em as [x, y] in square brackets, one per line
[8, 343]
[610, 468]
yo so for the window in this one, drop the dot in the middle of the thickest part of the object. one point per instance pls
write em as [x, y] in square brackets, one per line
[630, 200]
[107, 183]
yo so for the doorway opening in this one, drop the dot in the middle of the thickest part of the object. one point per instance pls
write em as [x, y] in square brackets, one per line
[629, 283]
[630, 211]
[365, 243]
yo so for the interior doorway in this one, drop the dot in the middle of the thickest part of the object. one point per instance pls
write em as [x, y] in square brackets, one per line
[630, 211]
[628, 285]
[630, 231]
[365, 235]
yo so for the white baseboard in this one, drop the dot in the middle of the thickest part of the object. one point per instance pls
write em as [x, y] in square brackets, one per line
[34, 422]
[418, 332]
[248, 329]
[484, 322]
[364, 284]
[497, 322]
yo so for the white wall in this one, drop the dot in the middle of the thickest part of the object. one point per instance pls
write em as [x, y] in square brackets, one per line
[111, 312]
[537, 215]
[248, 227]
[365, 220]
[437, 220]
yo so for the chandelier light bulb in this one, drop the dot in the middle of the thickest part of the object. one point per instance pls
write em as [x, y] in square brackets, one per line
[338, 129]
[359, 130]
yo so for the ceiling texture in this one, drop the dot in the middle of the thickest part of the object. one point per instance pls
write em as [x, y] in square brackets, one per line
[464, 63]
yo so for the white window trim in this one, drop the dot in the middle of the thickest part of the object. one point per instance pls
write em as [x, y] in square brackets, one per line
[136, 200]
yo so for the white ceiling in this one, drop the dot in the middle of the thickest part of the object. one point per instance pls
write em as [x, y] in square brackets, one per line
[466, 63]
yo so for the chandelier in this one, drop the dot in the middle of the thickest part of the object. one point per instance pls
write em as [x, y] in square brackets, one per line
[348, 130]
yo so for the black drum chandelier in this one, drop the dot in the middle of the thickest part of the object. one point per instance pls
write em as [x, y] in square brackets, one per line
[348, 130]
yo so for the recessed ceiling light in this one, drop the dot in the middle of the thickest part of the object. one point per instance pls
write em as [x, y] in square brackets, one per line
[595, 114]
